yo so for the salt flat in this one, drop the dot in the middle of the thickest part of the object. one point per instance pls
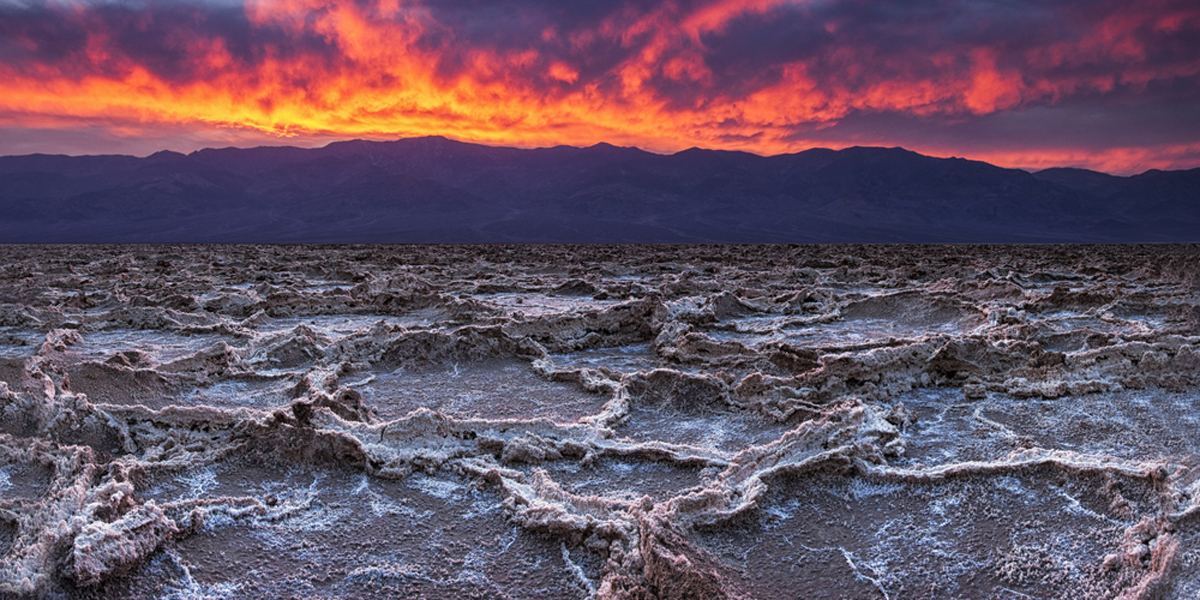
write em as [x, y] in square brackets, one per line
[599, 421]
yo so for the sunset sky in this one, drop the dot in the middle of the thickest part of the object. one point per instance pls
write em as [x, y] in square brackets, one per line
[1101, 84]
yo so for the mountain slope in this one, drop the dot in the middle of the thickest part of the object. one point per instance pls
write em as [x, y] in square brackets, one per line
[442, 191]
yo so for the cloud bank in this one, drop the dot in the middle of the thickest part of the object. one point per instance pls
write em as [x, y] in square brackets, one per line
[1103, 84]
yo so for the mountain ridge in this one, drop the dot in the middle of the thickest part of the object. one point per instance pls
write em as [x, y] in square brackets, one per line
[437, 190]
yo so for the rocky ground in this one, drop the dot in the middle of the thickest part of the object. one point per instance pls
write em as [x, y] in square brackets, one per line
[599, 421]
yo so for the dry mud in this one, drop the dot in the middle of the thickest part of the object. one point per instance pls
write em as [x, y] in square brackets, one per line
[599, 422]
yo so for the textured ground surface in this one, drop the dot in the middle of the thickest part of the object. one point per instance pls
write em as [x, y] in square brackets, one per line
[612, 422]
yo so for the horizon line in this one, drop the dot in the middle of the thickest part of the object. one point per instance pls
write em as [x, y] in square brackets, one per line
[602, 143]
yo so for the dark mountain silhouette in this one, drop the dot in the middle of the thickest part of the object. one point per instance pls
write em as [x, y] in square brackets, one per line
[438, 190]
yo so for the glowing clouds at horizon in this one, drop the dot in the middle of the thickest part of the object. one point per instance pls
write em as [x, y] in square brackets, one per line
[767, 76]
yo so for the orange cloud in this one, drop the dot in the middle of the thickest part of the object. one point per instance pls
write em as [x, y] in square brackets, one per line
[754, 75]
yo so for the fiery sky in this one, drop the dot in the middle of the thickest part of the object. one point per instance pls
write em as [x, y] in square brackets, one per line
[1104, 84]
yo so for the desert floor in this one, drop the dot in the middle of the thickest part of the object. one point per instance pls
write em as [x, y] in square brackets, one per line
[772, 422]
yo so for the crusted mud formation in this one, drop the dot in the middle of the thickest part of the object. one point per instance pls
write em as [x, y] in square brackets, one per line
[629, 422]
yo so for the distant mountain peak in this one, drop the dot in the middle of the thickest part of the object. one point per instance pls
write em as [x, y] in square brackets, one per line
[166, 155]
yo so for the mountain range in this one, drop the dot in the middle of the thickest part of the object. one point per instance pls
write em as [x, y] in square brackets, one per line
[435, 190]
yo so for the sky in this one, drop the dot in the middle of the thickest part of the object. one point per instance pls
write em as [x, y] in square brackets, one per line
[1107, 85]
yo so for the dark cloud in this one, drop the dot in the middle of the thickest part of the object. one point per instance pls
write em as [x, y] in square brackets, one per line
[171, 40]
[39, 34]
